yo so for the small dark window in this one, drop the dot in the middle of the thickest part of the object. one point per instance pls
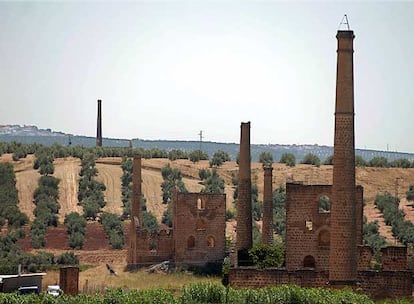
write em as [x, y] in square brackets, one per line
[309, 262]
[324, 204]
[190, 242]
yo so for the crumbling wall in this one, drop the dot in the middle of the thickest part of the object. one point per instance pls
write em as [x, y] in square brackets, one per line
[199, 228]
[308, 229]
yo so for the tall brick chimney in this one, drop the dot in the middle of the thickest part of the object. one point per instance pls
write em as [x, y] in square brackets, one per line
[343, 246]
[136, 191]
[99, 125]
[267, 228]
[244, 239]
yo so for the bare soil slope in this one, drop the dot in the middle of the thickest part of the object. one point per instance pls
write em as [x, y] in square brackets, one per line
[374, 181]
[67, 171]
[26, 181]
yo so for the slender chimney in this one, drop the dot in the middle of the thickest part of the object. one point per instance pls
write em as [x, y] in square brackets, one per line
[267, 228]
[343, 247]
[244, 239]
[99, 125]
[136, 191]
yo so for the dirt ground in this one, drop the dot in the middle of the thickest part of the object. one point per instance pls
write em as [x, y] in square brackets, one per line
[374, 180]
[67, 171]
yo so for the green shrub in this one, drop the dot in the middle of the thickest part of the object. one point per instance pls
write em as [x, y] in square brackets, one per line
[410, 193]
[67, 258]
[267, 256]
[197, 155]
[289, 159]
[311, 159]
[266, 158]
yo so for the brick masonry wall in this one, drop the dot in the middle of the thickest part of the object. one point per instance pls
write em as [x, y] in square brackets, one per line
[364, 257]
[301, 241]
[394, 258]
[379, 285]
[199, 228]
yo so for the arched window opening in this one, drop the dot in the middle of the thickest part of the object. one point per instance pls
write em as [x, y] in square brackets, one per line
[309, 225]
[309, 262]
[200, 204]
[324, 238]
[200, 225]
[190, 242]
[211, 242]
[324, 204]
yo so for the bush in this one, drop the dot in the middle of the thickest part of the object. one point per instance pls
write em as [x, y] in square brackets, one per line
[359, 161]
[149, 222]
[213, 183]
[266, 158]
[113, 227]
[328, 160]
[197, 155]
[311, 159]
[401, 163]
[230, 214]
[410, 193]
[76, 228]
[379, 161]
[266, 256]
[76, 240]
[177, 154]
[67, 258]
[288, 158]
[219, 158]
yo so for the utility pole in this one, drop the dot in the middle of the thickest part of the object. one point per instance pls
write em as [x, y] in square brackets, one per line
[397, 180]
[201, 137]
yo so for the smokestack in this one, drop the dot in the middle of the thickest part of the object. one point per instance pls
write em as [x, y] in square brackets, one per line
[244, 239]
[136, 190]
[267, 228]
[343, 246]
[99, 125]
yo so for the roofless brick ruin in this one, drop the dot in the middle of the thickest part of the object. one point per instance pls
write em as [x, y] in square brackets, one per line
[323, 247]
[197, 236]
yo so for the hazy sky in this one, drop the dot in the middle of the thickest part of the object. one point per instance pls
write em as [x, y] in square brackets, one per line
[166, 70]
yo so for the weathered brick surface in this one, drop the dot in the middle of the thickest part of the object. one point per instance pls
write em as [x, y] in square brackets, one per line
[394, 258]
[69, 280]
[343, 253]
[199, 228]
[364, 257]
[301, 241]
[379, 285]
[244, 238]
[267, 228]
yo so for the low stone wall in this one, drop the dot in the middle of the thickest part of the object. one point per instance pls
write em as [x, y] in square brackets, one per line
[378, 285]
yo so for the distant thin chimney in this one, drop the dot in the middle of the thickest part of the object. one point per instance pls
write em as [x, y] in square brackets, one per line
[99, 125]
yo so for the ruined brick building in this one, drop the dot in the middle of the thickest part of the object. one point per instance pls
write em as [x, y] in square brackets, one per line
[197, 236]
[323, 245]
